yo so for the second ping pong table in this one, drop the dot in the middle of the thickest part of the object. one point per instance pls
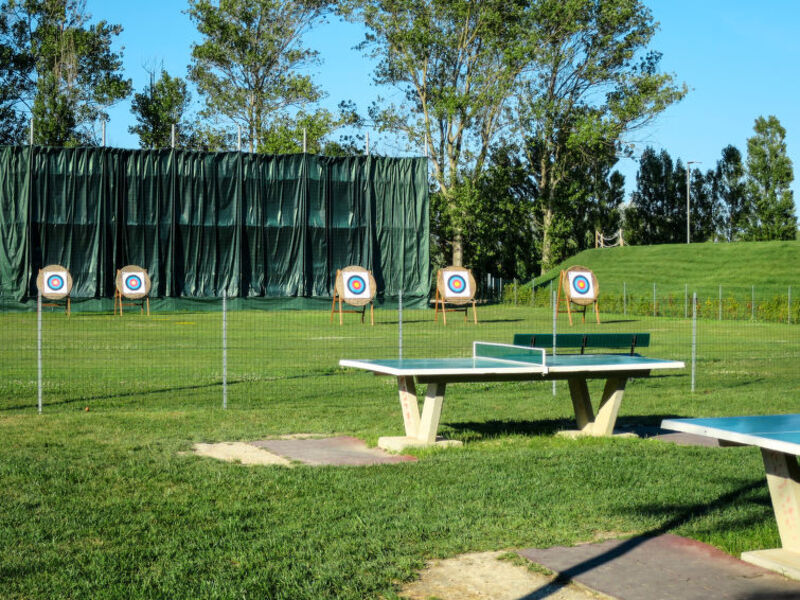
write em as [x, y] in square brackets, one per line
[506, 362]
[778, 437]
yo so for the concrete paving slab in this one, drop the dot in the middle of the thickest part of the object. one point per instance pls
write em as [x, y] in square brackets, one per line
[666, 567]
[341, 450]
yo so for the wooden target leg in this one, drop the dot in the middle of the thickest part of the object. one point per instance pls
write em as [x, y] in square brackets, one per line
[363, 311]
[341, 322]
[569, 314]
[597, 312]
[371, 314]
[436, 312]
[409, 405]
[783, 481]
[68, 306]
[431, 412]
[333, 306]
[148, 306]
[444, 313]
[474, 313]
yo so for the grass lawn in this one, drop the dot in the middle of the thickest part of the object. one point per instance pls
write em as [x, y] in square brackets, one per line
[110, 503]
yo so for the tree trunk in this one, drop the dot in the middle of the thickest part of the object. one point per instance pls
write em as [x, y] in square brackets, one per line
[547, 251]
[458, 249]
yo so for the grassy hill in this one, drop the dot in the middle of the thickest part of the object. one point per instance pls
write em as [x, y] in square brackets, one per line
[771, 267]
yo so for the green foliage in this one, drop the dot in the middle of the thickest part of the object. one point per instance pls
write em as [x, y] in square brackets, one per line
[247, 66]
[595, 82]
[729, 188]
[72, 73]
[769, 175]
[17, 65]
[285, 134]
[160, 105]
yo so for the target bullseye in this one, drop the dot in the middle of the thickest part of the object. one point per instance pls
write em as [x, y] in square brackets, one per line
[457, 284]
[56, 283]
[581, 284]
[133, 282]
[356, 285]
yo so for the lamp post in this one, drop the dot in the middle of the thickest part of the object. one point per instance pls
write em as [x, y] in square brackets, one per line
[688, 178]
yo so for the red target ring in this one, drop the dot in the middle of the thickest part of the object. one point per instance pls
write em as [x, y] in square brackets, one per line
[56, 282]
[581, 284]
[457, 284]
[356, 285]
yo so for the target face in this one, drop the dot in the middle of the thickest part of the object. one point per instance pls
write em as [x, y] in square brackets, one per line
[580, 284]
[356, 286]
[456, 285]
[133, 284]
[54, 284]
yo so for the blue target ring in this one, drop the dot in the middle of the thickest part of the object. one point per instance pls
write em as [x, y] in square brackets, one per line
[457, 284]
[134, 282]
[56, 282]
[581, 284]
[356, 285]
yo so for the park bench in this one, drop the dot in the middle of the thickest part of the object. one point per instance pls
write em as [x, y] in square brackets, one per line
[584, 341]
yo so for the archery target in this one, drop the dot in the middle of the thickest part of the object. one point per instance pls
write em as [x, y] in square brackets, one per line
[133, 282]
[356, 286]
[580, 285]
[457, 284]
[54, 282]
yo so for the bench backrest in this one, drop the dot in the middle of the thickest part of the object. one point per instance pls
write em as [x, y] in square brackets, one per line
[629, 341]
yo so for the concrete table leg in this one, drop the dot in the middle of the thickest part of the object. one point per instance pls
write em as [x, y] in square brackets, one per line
[783, 480]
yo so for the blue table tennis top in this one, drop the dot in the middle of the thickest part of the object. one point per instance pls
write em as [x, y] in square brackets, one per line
[774, 432]
[561, 363]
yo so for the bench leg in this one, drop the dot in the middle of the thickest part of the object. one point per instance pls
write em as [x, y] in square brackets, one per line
[783, 480]
[409, 405]
[431, 412]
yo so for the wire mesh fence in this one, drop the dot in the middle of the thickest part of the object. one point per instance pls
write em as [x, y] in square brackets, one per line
[90, 359]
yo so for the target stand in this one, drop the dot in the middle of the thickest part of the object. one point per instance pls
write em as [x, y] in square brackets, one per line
[55, 284]
[455, 286]
[577, 285]
[132, 283]
[354, 286]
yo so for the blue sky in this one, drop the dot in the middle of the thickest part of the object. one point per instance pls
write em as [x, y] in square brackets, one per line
[740, 58]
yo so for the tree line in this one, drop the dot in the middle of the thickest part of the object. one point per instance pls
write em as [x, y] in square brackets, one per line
[523, 107]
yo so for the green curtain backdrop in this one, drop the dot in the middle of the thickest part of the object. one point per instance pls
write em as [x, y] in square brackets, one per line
[274, 228]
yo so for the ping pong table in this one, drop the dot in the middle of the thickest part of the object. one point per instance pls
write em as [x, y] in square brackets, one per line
[778, 437]
[506, 362]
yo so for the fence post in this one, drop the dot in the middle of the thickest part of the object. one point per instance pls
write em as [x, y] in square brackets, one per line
[555, 322]
[400, 324]
[789, 308]
[685, 300]
[224, 352]
[720, 304]
[654, 300]
[753, 303]
[39, 350]
[515, 292]
[624, 299]
[694, 337]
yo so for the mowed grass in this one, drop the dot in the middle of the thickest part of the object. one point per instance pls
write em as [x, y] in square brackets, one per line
[110, 502]
[769, 267]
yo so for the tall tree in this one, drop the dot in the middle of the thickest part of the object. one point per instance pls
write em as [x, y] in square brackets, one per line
[247, 66]
[162, 104]
[769, 175]
[656, 214]
[594, 82]
[456, 64]
[730, 191]
[16, 82]
[71, 74]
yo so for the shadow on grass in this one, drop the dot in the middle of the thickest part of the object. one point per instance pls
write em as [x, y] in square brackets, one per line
[686, 515]
[643, 426]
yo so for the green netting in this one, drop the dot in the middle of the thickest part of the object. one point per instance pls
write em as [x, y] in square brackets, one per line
[273, 229]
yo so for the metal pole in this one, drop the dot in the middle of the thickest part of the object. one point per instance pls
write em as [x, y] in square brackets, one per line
[515, 292]
[104, 133]
[172, 136]
[688, 176]
[789, 308]
[694, 337]
[367, 143]
[720, 304]
[400, 325]
[239, 138]
[304, 140]
[654, 299]
[30, 138]
[624, 299]
[753, 303]
[224, 352]
[39, 350]
[555, 322]
[685, 300]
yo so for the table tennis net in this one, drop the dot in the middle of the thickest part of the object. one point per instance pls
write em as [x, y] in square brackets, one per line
[509, 353]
